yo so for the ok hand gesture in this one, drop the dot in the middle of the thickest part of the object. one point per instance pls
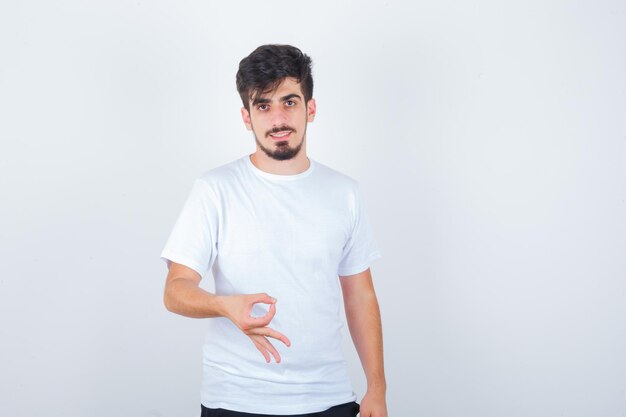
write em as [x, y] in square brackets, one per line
[238, 309]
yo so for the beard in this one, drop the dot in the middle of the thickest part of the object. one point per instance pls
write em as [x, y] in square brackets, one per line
[282, 151]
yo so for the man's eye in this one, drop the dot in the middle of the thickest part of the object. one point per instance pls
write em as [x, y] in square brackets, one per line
[290, 103]
[262, 107]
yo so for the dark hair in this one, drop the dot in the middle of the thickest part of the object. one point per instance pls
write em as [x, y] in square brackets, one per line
[267, 66]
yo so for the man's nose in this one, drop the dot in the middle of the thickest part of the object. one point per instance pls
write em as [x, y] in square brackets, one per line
[279, 116]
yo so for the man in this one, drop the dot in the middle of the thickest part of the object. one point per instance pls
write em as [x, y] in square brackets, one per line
[282, 234]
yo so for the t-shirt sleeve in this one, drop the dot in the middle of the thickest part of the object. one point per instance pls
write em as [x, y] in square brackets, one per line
[193, 240]
[361, 248]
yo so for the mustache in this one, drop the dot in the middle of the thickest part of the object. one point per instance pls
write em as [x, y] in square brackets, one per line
[280, 129]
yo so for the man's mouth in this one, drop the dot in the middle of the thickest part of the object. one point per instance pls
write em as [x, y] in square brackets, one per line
[281, 135]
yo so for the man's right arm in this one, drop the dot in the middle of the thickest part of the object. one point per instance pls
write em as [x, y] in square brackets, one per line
[184, 296]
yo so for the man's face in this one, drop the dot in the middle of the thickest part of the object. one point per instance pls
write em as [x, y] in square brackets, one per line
[278, 120]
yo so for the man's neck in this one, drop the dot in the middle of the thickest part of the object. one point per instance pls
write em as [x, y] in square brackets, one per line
[296, 165]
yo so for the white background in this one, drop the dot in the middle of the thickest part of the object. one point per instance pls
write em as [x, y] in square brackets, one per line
[489, 139]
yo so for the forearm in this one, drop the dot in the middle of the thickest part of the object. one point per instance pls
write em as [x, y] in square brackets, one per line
[363, 316]
[186, 298]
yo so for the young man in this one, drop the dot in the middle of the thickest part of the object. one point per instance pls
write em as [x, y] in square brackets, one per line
[285, 237]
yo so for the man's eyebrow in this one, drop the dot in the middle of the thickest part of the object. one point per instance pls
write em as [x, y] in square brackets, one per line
[290, 96]
[260, 100]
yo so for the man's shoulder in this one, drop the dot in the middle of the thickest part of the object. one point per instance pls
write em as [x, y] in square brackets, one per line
[222, 173]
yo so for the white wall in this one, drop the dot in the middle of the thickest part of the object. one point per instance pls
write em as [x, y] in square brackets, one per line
[489, 139]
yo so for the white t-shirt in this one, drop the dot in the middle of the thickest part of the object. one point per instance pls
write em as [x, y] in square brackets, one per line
[289, 236]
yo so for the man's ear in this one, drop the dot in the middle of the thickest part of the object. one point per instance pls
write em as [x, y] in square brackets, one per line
[245, 115]
[311, 110]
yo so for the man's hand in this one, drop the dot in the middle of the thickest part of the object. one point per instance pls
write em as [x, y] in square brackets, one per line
[237, 308]
[373, 404]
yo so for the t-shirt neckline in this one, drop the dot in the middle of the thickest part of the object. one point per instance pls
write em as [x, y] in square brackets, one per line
[279, 177]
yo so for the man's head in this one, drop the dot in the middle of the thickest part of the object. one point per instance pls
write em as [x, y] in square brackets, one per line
[268, 65]
[276, 88]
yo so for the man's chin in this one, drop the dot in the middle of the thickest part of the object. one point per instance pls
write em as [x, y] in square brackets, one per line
[284, 153]
[281, 151]
[283, 156]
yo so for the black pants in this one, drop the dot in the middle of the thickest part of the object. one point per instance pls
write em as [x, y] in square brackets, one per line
[350, 409]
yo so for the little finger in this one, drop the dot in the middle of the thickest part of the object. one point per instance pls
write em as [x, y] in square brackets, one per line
[268, 345]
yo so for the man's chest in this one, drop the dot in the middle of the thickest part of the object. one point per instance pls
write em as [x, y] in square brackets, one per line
[307, 228]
